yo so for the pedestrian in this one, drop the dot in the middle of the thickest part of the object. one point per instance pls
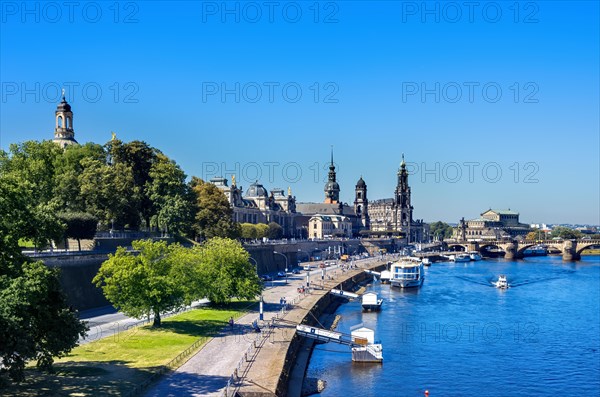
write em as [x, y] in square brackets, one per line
[231, 322]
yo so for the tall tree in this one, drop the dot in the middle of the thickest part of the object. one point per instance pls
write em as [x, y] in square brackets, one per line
[146, 283]
[171, 197]
[225, 263]
[214, 216]
[35, 321]
[275, 231]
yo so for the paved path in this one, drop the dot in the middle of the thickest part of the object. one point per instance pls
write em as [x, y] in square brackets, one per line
[207, 372]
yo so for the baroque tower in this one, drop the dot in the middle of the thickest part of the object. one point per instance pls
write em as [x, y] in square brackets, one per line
[332, 188]
[402, 207]
[361, 203]
[64, 134]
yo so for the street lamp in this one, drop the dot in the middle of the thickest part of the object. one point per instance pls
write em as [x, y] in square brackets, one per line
[286, 264]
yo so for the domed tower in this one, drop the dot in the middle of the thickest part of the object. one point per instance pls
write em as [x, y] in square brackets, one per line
[361, 203]
[332, 188]
[403, 208]
[63, 131]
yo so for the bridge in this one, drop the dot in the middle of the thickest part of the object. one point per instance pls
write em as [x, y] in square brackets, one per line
[570, 249]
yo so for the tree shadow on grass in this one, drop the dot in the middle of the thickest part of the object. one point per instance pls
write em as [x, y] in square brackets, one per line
[91, 378]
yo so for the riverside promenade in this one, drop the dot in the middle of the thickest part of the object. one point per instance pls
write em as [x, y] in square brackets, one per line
[242, 360]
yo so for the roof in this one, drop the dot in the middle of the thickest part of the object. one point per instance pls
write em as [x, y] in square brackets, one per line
[501, 212]
[331, 218]
[324, 209]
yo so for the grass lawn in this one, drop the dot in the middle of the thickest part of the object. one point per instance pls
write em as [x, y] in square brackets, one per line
[116, 364]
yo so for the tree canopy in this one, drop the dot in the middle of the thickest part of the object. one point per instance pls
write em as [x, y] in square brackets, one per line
[214, 216]
[440, 230]
[161, 277]
[35, 321]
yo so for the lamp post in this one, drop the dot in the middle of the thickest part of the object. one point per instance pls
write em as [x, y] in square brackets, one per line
[260, 310]
[286, 264]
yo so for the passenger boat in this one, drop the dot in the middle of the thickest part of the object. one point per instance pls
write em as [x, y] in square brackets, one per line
[475, 256]
[371, 302]
[502, 283]
[536, 250]
[407, 274]
[460, 258]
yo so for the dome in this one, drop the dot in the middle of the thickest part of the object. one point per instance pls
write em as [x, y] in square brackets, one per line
[63, 106]
[256, 190]
[361, 183]
[332, 186]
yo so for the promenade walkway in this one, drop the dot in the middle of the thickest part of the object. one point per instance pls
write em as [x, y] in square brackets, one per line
[208, 372]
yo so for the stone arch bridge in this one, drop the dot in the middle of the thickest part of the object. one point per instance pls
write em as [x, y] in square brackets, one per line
[570, 249]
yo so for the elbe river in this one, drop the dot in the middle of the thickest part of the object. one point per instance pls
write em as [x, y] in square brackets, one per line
[459, 336]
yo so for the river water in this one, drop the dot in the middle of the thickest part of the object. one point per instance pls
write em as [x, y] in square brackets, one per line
[458, 336]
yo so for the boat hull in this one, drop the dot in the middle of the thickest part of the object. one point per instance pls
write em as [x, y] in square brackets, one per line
[371, 307]
[407, 283]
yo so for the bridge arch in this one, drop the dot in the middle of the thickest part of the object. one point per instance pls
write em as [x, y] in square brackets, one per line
[586, 246]
[457, 247]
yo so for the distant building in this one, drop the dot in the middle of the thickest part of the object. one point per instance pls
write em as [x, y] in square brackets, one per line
[64, 135]
[491, 225]
[328, 226]
[259, 206]
[394, 216]
[357, 215]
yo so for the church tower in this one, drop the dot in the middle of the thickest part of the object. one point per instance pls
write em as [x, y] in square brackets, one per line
[361, 203]
[63, 130]
[332, 188]
[402, 208]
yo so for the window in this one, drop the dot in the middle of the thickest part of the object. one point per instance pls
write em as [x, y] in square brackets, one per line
[60, 121]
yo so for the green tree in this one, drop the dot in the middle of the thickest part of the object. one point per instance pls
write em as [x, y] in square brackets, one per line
[565, 233]
[214, 216]
[35, 321]
[79, 225]
[532, 236]
[170, 196]
[149, 282]
[248, 231]
[140, 158]
[68, 167]
[109, 193]
[275, 231]
[228, 271]
[440, 229]
[262, 230]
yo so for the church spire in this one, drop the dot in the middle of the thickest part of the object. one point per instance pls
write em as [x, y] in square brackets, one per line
[332, 188]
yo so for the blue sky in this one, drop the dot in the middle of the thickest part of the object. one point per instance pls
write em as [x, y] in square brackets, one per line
[493, 106]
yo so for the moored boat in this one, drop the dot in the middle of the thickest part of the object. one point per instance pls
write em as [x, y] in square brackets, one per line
[460, 258]
[407, 274]
[475, 256]
[385, 276]
[536, 250]
[371, 302]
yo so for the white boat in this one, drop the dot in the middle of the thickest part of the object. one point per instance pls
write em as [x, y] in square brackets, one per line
[475, 256]
[426, 262]
[460, 258]
[407, 274]
[502, 283]
[385, 276]
[536, 250]
[371, 302]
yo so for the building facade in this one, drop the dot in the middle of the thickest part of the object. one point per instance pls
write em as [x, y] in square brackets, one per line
[329, 226]
[491, 225]
[257, 205]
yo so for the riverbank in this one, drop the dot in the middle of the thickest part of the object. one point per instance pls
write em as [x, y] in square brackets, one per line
[276, 361]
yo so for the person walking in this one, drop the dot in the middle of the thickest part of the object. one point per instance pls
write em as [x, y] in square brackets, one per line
[231, 323]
